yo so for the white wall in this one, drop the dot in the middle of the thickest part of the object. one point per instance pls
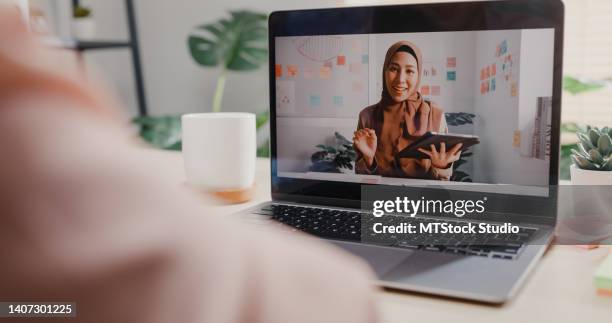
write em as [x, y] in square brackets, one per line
[496, 159]
[497, 111]
[174, 82]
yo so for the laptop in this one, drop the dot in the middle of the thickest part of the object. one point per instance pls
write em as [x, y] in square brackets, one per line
[350, 87]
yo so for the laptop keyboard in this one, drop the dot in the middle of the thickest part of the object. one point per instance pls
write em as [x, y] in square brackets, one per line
[346, 225]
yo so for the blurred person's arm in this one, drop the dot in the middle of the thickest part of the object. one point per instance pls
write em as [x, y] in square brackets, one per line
[87, 217]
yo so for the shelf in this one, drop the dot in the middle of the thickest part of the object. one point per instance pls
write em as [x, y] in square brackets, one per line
[130, 44]
[83, 45]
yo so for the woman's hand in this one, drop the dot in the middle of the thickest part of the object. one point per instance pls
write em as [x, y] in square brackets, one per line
[443, 158]
[365, 141]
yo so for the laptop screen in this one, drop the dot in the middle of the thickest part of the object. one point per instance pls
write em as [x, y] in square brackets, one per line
[357, 108]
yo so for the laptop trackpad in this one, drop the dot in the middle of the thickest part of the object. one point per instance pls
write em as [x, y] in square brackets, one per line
[381, 259]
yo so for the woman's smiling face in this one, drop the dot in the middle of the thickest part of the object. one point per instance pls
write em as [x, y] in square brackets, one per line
[401, 76]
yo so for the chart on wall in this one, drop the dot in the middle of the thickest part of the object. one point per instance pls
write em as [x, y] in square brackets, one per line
[322, 76]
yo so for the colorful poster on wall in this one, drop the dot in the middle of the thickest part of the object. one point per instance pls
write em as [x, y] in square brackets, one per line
[451, 75]
[451, 62]
[341, 60]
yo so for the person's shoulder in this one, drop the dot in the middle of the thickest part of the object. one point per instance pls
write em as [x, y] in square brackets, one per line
[436, 108]
[368, 112]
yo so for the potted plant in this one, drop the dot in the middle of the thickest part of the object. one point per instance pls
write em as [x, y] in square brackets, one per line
[592, 161]
[339, 158]
[236, 43]
[83, 24]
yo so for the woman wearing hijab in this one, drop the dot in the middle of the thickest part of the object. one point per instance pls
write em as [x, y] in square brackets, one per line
[400, 118]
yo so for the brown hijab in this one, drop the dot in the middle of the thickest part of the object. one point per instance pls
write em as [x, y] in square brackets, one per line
[419, 116]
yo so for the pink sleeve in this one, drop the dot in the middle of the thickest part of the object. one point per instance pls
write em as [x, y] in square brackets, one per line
[87, 216]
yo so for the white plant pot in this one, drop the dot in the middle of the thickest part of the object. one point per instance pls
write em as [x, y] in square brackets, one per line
[84, 28]
[584, 207]
[590, 177]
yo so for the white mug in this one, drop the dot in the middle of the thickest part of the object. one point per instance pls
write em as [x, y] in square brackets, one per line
[219, 150]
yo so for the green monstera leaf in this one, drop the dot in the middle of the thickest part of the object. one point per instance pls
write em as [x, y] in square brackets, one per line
[575, 86]
[237, 43]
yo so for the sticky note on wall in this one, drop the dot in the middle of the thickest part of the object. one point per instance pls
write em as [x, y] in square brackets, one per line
[314, 100]
[292, 70]
[493, 69]
[516, 139]
[325, 72]
[365, 59]
[435, 90]
[358, 87]
[341, 60]
[278, 70]
[308, 72]
[513, 89]
[451, 76]
[425, 90]
[492, 85]
[451, 62]
[338, 100]
[503, 47]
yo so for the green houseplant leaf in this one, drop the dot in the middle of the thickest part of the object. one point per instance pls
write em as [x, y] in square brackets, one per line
[236, 43]
[576, 86]
[594, 151]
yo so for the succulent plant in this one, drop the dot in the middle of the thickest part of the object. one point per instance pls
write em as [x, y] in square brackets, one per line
[594, 149]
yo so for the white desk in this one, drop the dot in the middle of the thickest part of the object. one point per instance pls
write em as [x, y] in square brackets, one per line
[560, 289]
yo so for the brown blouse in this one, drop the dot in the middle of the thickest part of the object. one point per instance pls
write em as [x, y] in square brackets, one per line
[393, 136]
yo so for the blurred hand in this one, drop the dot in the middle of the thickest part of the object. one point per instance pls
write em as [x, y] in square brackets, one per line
[442, 158]
[365, 142]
